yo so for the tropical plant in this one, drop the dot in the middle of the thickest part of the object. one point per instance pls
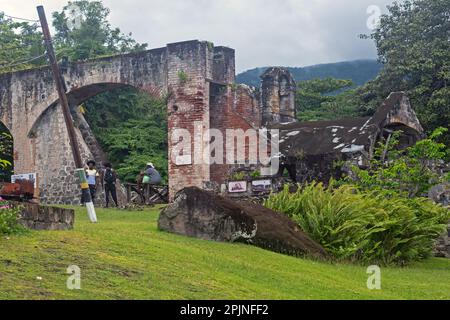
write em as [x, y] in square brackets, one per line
[9, 222]
[409, 171]
[364, 226]
[238, 176]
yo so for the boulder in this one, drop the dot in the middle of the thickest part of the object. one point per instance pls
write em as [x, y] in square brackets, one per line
[440, 194]
[206, 215]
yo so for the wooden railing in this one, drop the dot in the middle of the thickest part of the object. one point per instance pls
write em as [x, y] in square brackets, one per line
[147, 194]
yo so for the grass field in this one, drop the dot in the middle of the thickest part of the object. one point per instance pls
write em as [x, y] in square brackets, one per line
[124, 256]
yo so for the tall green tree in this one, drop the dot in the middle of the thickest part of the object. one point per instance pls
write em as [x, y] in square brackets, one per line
[83, 31]
[320, 99]
[413, 43]
[20, 45]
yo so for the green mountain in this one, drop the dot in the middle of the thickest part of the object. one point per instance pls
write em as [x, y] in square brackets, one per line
[359, 71]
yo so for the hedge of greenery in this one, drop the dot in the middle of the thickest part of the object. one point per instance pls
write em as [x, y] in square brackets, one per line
[364, 226]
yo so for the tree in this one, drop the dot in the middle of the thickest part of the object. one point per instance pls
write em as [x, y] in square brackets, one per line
[413, 43]
[83, 32]
[131, 126]
[20, 45]
[408, 172]
[319, 99]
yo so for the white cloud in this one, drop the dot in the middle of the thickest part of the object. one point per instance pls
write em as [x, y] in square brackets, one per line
[263, 32]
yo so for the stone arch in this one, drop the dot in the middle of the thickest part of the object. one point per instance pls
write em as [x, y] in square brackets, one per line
[51, 120]
[27, 100]
[79, 95]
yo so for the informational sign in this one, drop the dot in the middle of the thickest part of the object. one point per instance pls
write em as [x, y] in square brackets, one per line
[237, 186]
[25, 176]
[261, 185]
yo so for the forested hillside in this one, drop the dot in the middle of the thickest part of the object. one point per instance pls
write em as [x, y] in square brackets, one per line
[358, 71]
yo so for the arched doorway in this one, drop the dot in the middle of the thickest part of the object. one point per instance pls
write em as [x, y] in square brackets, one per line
[115, 123]
[130, 127]
[6, 154]
[408, 136]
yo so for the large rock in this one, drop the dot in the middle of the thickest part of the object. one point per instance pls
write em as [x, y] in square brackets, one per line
[441, 194]
[205, 215]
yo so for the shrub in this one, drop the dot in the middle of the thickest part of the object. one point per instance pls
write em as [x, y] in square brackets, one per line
[407, 171]
[9, 223]
[182, 76]
[364, 226]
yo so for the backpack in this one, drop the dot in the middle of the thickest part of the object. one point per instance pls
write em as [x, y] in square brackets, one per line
[110, 177]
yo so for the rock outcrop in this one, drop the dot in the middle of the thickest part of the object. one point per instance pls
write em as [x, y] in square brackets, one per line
[205, 215]
[441, 194]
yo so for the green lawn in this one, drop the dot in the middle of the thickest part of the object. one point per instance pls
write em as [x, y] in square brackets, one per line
[124, 256]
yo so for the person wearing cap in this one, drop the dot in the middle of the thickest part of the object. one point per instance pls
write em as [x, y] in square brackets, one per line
[151, 175]
[92, 177]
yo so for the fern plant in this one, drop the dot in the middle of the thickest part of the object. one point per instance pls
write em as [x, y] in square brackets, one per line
[364, 226]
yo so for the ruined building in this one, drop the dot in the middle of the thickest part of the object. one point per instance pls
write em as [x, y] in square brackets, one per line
[313, 150]
[198, 80]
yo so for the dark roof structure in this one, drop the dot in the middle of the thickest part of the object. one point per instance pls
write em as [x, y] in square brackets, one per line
[349, 135]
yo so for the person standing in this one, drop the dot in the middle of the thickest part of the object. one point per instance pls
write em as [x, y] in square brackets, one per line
[92, 179]
[109, 184]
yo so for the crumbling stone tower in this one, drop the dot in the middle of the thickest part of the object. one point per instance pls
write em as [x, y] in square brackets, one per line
[277, 96]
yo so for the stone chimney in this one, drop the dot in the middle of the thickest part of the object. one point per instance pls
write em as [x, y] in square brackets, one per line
[278, 96]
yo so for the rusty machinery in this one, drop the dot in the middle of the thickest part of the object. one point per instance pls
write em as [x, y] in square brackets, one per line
[20, 190]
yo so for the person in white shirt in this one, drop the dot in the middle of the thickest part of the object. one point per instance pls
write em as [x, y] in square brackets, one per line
[92, 176]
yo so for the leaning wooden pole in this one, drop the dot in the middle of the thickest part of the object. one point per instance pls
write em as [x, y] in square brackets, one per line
[79, 172]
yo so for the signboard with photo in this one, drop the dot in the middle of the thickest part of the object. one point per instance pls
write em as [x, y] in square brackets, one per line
[25, 176]
[237, 186]
[261, 185]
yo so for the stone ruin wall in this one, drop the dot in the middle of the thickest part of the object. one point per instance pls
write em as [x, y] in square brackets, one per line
[208, 96]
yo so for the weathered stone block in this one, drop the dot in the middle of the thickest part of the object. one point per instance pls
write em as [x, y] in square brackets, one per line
[38, 217]
[205, 215]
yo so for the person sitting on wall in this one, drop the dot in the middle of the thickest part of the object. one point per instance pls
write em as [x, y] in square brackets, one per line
[151, 175]
[92, 176]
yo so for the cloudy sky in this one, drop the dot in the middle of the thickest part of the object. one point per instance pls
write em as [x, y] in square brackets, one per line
[263, 32]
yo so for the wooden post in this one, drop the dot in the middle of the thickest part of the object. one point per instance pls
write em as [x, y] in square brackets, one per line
[61, 88]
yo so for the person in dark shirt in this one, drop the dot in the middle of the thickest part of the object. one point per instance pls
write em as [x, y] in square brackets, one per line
[109, 183]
